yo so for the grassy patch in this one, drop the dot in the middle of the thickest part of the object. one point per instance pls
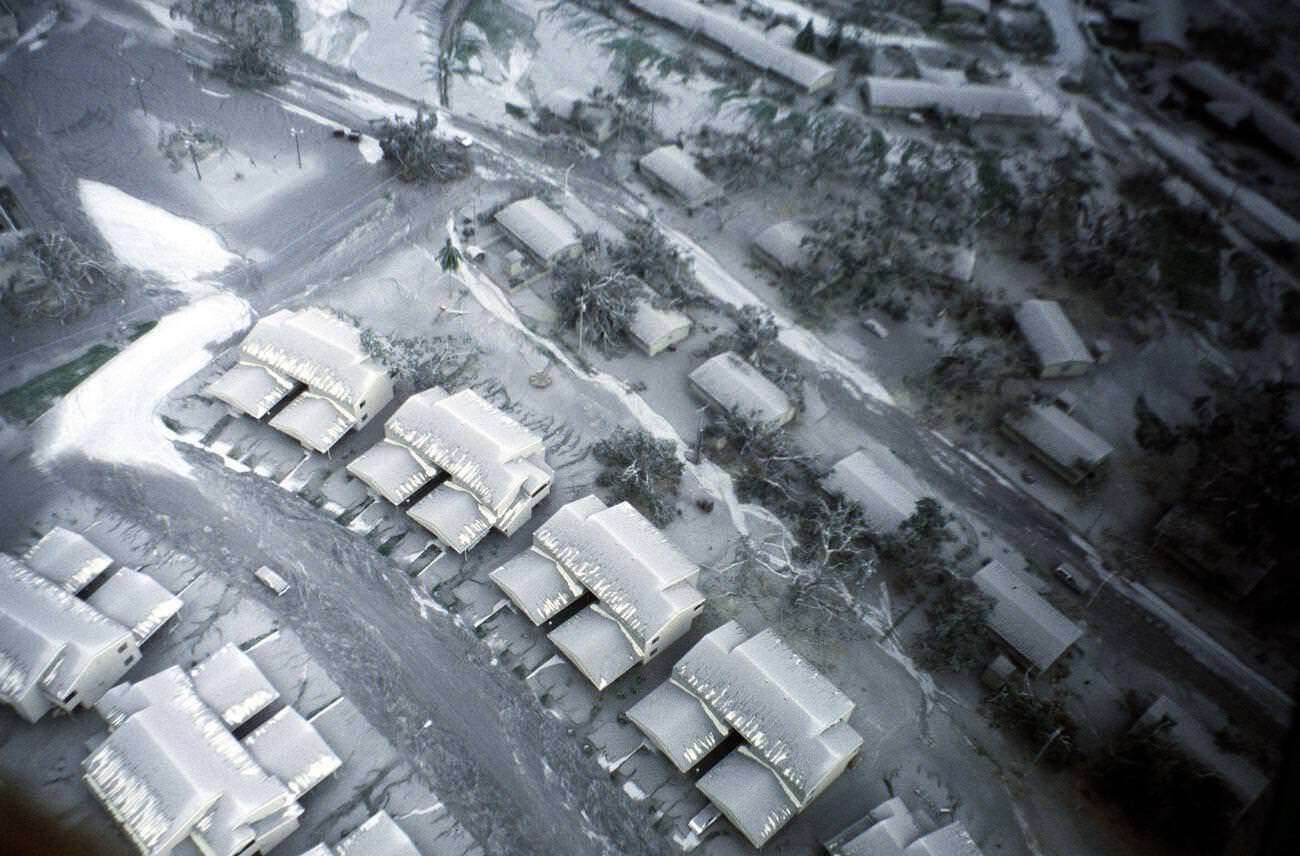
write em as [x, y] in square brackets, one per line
[23, 404]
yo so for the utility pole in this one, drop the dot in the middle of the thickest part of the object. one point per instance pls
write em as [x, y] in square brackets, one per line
[297, 146]
[135, 81]
[194, 159]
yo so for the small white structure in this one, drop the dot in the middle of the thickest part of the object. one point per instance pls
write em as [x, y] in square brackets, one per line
[1034, 629]
[170, 769]
[729, 383]
[653, 328]
[672, 171]
[975, 101]
[55, 649]
[885, 503]
[379, 835]
[1058, 440]
[68, 559]
[891, 829]
[539, 229]
[315, 360]
[746, 42]
[490, 471]
[643, 590]
[781, 246]
[1058, 347]
[793, 720]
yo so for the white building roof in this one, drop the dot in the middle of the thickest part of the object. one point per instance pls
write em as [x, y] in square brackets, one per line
[40, 618]
[378, 836]
[676, 169]
[971, 100]
[393, 470]
[782, 243]
[885, 831]
[597, 645]
[232, 685]
[1060, 439]
[749, 794]
[654, 328]
[1024, 620]
[794, 722]
[136, 601]
[288, 747]
[315, 421]
[742, 40]
[731, 383]
[885, 503]
[1050, 334]
[950, 840]
[251, 389]
[67, 559]
[545, 232]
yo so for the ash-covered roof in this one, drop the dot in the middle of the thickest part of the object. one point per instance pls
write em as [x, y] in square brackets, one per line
[1024, 620]
[137, 601]
[885, 503]
[1269, 119]
[379, 835]
[393, 470]
[1059, 438]
[749, 794]
[676, 169]
[68, 559]
[232, 685]
[972, 100]
[1050, 334]
[653, 326]
[315, 421]
[546, 233]
[250, 389]
[730, 382]
[290, 748]
[783, 243]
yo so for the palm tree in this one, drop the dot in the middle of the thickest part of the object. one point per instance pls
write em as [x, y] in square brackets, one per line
[449, 257]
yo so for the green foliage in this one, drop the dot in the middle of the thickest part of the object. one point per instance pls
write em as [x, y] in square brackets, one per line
[1152, 432]
[449, 258]
[641, 470]
[418, 154]
[633, 55]
[250, 63]
[49, 275]
[958, 638]
[1165, 792]
[23, 404]
[1039, 722]
[806, 41]
[597, 301]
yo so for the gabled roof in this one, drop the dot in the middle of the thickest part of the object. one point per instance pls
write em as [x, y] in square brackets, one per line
[950, 840]
[67, 559]
[891, 830]
[652, 325]
[136, 601]
[1059, 438]
[971, 100]
[1024, 620]
[546, 233]
[250, 389]
[676, 169]
[43, 617]
[291, 749]
[744, 41]
[314, 421]
[378, 836]
[596, 643]
[783, 243]
[884, 502]
[230, 683]
[393, 470]
[730, 382]
[1050, 334]
[749, 794]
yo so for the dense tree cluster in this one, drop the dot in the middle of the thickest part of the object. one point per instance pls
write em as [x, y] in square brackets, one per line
[958, 638]
[646, 253]
[49, 275]
[596, 300]
[274, 21]
[250, 62]
[419, 154]
[641, 470]
[1043, 724]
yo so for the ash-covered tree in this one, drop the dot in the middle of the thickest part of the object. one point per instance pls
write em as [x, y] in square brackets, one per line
[958, 638]
[275, 21]
[418, 154]
[641, 470]
[49, 275]
[1045, 725]
[597, 301]
[646, 253]
[852, 252]
[1165, 792]
[770, 468]
[1152, 432]
[916, 546]
[806, 41]
[833, 536]
[755, 334]
[251, 62]
[927, 191]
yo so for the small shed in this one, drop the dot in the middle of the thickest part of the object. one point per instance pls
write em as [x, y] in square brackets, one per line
[539, 229]
[655, 328]
[1034, 629]
[1058, 347]
[1058, 440]
[781, 245]
[728, 382]
[672, 171]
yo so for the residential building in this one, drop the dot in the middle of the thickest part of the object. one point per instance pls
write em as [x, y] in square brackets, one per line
[1193, 542]
[1187, 733]
[671, 170]
[885, 502]
[1163, 29]
[639, 590]
[67, 559]
[1237, 106]
[733, 35]
[487, 471]
[975, 101]
[729, 383]
[655, 328]
[308, 371]
[173, 774]
[56, 651]
[1033, 629]
[540, 230]
[592, 119]
[791, 721]
[892, 829]
[136, 601]
[1059, 349]
[781, 246]
[1058, 440]
[379, 835]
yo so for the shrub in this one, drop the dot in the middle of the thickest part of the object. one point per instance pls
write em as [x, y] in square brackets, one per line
[418, 154]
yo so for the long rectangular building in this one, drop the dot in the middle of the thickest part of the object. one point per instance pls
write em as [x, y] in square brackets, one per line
[1032, 627]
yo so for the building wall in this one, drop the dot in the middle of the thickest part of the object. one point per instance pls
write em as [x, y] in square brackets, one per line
[102, 673]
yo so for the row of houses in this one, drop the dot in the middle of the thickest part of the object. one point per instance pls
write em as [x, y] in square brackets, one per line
[69, 630]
